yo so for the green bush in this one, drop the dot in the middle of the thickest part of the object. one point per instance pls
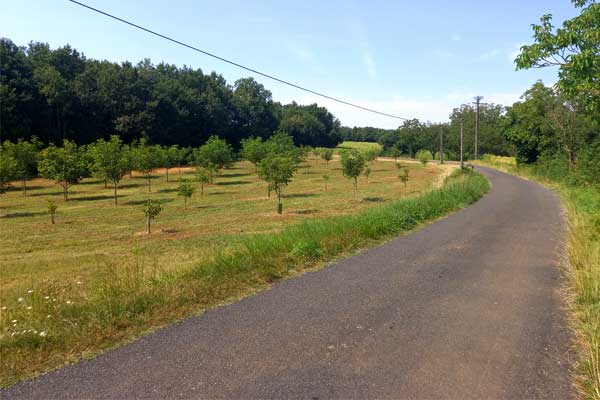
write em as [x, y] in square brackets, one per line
[424, 156]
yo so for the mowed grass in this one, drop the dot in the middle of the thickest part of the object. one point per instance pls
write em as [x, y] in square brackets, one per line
[361, 146]
[96, 279]
[90, 231]
[582, 266]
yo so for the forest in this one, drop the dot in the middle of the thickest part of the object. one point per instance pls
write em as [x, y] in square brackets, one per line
[57, 94]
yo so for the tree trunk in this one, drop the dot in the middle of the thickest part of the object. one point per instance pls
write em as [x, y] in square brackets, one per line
[52, 217]
[201, 188]
[355, 185]
[279, 205]
[24, 187]
[185, 202]
[115, 187]
[149, 225]
[105, 183]
[65, 193]
[149, 187]
[167, 174]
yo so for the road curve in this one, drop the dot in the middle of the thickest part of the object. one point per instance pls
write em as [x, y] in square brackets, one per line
[467, 307]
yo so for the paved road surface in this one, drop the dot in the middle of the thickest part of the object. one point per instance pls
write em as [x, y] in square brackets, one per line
[468, 307]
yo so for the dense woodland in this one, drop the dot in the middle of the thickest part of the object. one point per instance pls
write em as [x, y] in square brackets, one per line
[57, 94]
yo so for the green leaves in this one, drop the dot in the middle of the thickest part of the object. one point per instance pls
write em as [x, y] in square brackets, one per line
[215, 151]
[277, 171]
[65, 165]
[574, 49]
[8, 165]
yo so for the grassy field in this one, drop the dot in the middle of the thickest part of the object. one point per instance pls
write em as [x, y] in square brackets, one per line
[96, 279]
[91, 231]
[582, 266]
[362, 146]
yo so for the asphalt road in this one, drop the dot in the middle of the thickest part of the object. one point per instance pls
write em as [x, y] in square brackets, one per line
[467, 307]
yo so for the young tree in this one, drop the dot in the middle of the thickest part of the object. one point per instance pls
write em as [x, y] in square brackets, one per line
[109, 161]
[282, 144]
[325, 179]
[51, 205]
[216, 152]
[367, 172]
[146, 160]
[327, 155]
[25, 155]
[277, 171]
[371, 154]
[404, 176]
[353, 164]
[8, 165]
[254, 150]
[184, 154]
[424, 156]
[171, 158]
[185, 189]
[204, 176]
[395, 153]
[151, 209]
[62, 164]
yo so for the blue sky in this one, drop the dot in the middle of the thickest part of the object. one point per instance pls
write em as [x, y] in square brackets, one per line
[416, 59]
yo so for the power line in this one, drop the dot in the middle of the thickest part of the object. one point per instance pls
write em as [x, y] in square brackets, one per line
[232, 62]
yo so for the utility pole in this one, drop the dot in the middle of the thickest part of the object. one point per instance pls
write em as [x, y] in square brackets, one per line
[477, 102]
[441, 145]
[461, 146]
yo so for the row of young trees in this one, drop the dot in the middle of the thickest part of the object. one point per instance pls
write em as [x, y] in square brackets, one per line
[109, 160]
[59, 94]
[276, 161]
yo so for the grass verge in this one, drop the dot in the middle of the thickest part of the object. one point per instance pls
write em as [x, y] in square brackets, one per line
[582, 264]
[54, 324]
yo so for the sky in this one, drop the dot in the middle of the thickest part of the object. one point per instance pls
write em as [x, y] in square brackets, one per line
[414, 59]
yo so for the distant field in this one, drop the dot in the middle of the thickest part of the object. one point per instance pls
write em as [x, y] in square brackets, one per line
[359, 145]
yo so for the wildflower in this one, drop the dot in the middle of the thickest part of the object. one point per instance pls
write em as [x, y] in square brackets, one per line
[68, 301]
[30, 291]
[46, 297]
[4, 308]
[20, 299]
[43, 334]
[48, 316]
[14, 321]
[78, 282]
[29, 308]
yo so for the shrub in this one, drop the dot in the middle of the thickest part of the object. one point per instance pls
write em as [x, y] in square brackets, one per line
[424, 156]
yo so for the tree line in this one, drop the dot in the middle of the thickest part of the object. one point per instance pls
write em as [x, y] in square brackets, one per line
[57, 94]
